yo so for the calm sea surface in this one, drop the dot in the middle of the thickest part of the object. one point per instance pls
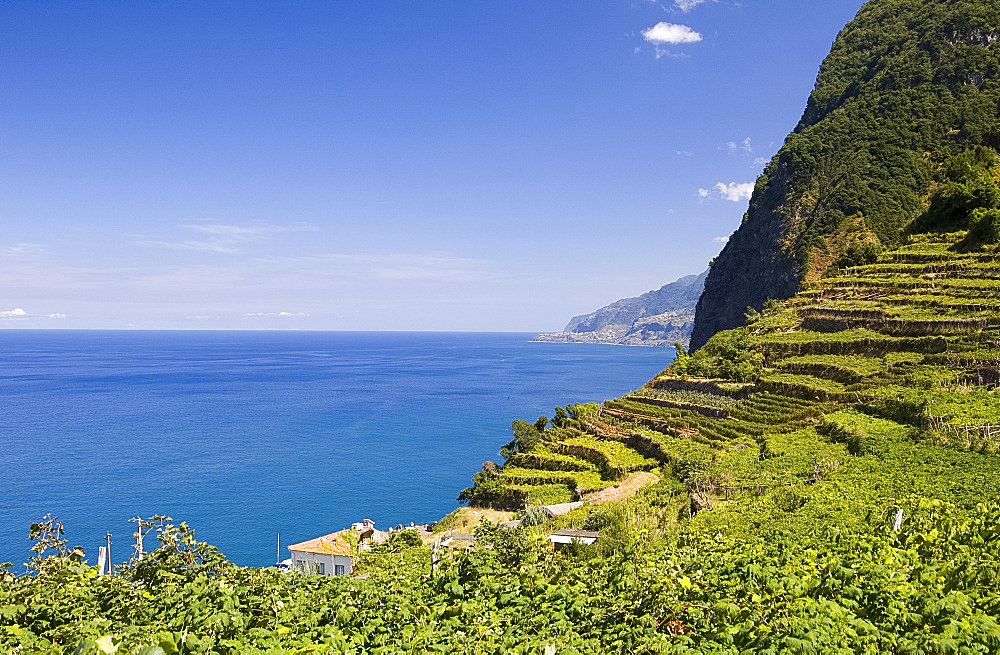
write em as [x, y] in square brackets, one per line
[248, 434]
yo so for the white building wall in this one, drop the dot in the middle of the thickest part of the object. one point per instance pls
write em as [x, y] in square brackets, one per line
[320, 564]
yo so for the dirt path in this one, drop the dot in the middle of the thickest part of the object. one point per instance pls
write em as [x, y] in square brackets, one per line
[628, 487]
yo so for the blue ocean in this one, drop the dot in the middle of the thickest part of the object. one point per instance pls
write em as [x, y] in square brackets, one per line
[246, 435]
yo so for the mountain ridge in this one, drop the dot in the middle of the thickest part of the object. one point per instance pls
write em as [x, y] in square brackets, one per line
[660, 317]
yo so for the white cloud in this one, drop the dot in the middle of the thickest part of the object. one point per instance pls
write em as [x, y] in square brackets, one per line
[721, 239]
[671, 33]
[703, 193]
[663, 52]
[17, 312]
[687, 5]
[275, 315]
[23, 250]
[735, 191]
[760, 161]
[257, 229]
[313, 273]
[745, 146]
[222, 238]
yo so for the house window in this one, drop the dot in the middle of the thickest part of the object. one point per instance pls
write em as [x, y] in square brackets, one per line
[321, 568]
[338, 569]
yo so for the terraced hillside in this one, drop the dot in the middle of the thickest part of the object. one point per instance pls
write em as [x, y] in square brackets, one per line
[878, 382]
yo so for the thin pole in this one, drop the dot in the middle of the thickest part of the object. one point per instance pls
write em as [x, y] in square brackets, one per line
[277, 555]
[107, 538]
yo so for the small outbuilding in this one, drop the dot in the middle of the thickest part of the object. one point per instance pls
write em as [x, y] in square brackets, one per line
[561, 538]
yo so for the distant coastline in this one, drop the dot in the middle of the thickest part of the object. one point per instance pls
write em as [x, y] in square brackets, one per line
[596, 340]
[662, 317]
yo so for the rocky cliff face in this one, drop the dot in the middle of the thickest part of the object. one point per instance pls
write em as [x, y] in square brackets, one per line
[752, 268]
[656, 318]
[905, 86]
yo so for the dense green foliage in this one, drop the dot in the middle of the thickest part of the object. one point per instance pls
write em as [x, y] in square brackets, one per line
[770, 530]
[888, 398]
[969, 189]
[726, 355]
[931, 587]
[907, 84]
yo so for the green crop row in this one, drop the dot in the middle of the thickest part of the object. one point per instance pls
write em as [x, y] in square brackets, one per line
[847, 342]
[803, 386]
[898, 305]
[546, 494]
[968, 266]
[574, 479]
[846, 369]
[689, 397]
[977, 284]
[677, 450]
[943, 301]
[755, 417]
[618, 455]
[542, 458]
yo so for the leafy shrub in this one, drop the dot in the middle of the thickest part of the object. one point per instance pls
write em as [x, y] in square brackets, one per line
[597, 520]
[399, 541]
[970, 184]
[859, 253]
[729, 354]
[511, 547]
[984, 228]
[534, 516]
[789, 500]
[526, 437]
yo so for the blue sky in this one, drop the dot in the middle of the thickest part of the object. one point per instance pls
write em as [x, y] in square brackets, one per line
[446, 165]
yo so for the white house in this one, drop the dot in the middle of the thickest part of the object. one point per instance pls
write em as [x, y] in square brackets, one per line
[333, 554]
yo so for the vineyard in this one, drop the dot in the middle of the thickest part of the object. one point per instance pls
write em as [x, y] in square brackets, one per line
[919, 356]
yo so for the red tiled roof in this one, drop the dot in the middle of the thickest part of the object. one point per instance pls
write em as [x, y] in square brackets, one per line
[335, 543]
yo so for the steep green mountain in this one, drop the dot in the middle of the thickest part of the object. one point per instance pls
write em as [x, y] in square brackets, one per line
[907, 84]
[656, 318]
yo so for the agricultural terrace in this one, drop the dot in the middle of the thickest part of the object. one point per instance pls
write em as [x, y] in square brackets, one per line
[877, 382]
